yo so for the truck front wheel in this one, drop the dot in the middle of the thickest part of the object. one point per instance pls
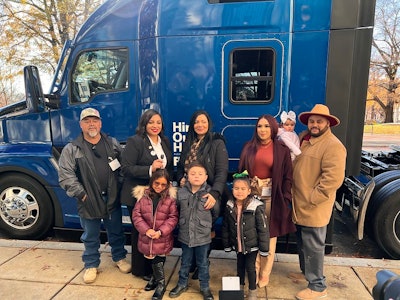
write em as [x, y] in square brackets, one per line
[25, 208]
[387, 219]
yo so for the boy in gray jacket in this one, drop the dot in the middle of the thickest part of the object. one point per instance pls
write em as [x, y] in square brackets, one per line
[195, 225]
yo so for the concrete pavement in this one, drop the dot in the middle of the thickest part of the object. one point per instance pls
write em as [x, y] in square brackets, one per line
[54, 270]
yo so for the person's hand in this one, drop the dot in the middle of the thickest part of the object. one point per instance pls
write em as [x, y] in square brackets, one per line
[150, 233]
[183, 181]
[157, 235]
[210, 201]
[157, 164]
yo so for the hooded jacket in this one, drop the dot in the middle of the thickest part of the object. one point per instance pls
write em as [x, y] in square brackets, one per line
[164, 219]
[195, 222]
[77, 176]
[254, 232]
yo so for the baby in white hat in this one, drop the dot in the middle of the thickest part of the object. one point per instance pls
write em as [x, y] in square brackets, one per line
[287, 134]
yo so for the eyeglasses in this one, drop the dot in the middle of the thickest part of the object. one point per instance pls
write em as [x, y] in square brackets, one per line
[157, 184]
[95, 152]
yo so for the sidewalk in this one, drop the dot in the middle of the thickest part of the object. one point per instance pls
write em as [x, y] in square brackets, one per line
[54, 270]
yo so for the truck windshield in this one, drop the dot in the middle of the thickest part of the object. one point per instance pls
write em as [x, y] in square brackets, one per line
[98, 71]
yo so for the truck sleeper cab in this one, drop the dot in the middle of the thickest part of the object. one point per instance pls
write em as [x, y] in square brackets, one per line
[235, 59]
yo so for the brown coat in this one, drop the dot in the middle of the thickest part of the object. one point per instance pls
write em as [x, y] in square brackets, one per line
[317, 173]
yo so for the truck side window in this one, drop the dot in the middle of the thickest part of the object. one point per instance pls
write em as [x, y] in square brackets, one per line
[99, 71]
[251, 75]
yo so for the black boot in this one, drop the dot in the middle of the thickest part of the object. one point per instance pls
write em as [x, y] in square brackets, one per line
[158, 273]
[151, 285]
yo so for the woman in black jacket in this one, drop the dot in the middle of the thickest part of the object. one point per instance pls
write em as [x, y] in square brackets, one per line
[209, 149]
[144, 153]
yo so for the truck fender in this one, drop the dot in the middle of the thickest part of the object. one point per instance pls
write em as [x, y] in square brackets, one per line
[365, 197]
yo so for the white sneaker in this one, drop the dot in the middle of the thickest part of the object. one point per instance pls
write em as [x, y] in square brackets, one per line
[90, 275]
[123, 266]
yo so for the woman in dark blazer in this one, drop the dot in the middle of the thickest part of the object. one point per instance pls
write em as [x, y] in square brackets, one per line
[207, 147]
[145, 152]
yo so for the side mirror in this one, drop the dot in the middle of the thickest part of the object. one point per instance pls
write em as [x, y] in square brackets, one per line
[33, 89]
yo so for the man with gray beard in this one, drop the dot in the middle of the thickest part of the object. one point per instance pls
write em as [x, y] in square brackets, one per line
[89, 171]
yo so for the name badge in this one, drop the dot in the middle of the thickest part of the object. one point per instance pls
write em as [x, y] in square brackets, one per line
[114, 164]
[266, 191]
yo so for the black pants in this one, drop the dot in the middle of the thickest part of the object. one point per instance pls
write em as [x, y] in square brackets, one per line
[247, 262]
[141, 266]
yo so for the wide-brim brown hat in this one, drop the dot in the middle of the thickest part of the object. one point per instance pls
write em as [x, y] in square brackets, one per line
[320, 110]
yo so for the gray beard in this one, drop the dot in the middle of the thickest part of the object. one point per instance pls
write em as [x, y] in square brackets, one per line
[93, 134]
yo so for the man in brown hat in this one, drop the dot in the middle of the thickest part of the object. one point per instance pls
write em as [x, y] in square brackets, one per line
[317, 173]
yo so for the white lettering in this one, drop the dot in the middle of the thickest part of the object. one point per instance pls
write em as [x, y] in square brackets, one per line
[176, 160]
[179, 130]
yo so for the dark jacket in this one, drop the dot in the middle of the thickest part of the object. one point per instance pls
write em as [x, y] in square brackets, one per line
[78, 177]
[254, 231]
[195, 222]
[164, 219]
[214, 156]
[280, 222]
[136, 161]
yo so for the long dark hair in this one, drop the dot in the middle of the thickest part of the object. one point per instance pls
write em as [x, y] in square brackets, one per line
[192, 135]
[250, 148]
[159, 173]
[144, 120]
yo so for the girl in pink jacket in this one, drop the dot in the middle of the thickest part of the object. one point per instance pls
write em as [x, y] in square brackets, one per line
[155, 216]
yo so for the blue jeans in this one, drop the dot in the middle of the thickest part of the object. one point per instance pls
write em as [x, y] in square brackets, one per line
[201, 262]
[91, 238]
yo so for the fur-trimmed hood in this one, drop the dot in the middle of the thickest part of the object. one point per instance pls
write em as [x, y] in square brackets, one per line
[140, 190]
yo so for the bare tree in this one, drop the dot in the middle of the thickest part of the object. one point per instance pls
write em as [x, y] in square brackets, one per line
[34, 32]
[385, 60]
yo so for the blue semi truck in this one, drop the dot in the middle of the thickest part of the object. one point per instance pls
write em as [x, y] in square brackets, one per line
[235, 59]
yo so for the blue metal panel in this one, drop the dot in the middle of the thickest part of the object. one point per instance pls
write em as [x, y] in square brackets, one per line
[308, 74]
[113, 21]
[32, 159]
[312, 15]
[199, 17]
[25, 128]
[118, 19]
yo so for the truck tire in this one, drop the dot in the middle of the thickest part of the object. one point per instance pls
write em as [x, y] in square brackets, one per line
[26, 211]
[380, 181]
[387, 219]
